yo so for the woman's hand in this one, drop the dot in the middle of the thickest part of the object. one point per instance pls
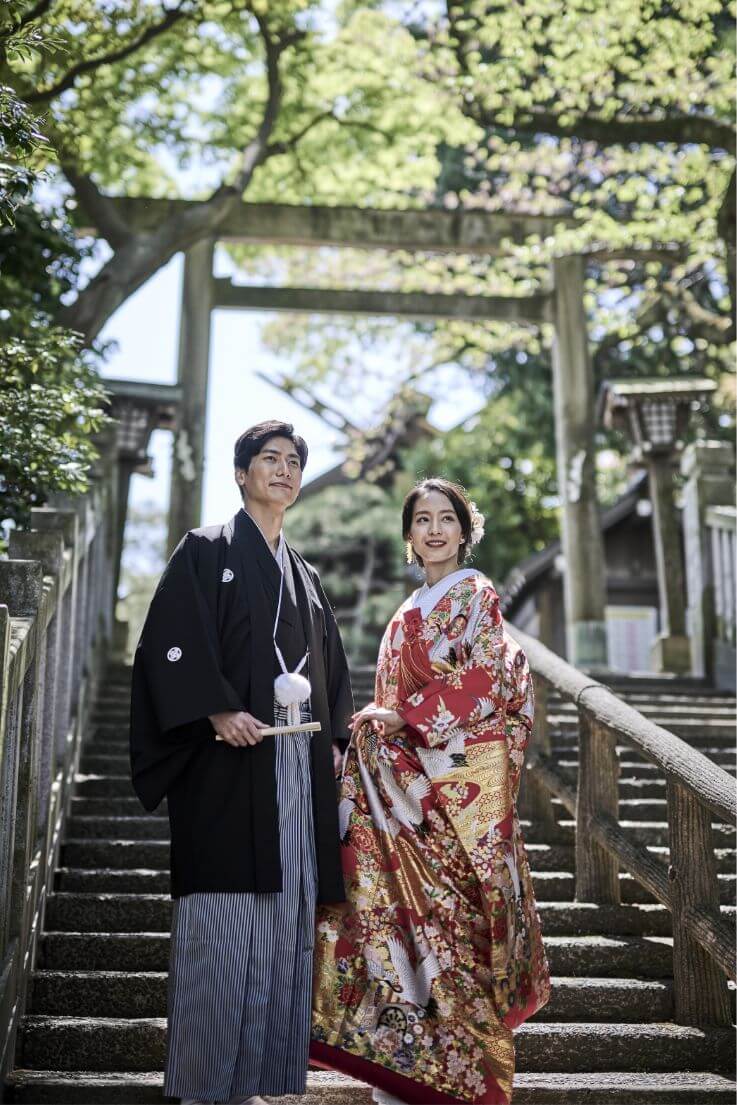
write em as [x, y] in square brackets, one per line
[385, 722]
[237, 728]
[337, 760]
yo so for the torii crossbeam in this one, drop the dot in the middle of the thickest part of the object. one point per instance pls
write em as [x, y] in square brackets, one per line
[431, 230]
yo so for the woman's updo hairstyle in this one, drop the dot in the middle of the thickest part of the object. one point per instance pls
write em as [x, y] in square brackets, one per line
[461, 504]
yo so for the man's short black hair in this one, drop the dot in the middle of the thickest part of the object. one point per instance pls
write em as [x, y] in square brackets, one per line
[253, 440]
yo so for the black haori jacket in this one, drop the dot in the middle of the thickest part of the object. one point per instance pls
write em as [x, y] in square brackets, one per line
[206, 647]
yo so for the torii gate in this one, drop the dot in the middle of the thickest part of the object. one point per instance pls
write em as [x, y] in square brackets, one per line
[420, 230]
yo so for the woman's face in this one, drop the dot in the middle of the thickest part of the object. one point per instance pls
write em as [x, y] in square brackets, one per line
[435, 532]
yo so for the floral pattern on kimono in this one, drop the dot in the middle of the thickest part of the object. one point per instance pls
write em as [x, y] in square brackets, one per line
[437, 955]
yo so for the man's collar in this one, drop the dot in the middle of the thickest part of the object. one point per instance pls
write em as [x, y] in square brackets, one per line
[278, 554]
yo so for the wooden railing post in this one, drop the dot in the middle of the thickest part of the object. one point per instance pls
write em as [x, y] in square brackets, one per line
[535, 802]
[701, 995]
[597, 871]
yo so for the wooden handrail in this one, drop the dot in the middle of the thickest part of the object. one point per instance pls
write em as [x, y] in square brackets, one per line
[697, 788]
[677, 759]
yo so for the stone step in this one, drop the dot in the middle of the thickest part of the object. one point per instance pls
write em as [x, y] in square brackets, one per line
[628, 769]
[115, 806]
[134, 994]
[694, 732]
[111, 880]
[118, 784]
[664, 713]
[567, 746]
[598, 956]
[651, 833]
[114, 740]
[140, 827]
[145, 827]
[672, 696]
[147, 908]
[130, 806]
[625, 1088]
[94, 785]
[153, 855]
[668, 707]
[153, 851]
[605, 1088]
[65, 1043]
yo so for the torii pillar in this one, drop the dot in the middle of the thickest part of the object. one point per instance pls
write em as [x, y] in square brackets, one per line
[188, 455]
[584, 581]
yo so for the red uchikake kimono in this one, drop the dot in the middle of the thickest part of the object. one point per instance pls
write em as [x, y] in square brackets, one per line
[421, 976]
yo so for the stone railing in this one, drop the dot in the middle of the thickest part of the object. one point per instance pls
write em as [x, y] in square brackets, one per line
[56, 609]
[697, 791]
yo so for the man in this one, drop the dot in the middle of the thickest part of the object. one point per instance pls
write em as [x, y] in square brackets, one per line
[254, 824]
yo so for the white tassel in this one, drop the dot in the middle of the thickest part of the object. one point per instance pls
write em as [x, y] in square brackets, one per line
[291, 689]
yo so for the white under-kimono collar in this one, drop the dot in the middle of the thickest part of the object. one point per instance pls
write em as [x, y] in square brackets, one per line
[427, 598]
[278, 554]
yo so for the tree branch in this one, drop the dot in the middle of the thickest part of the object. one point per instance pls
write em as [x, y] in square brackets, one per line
[137, 257]
[621, 130]
[714, 328]
[96, 204]
[666, 255]
[212, 211]
[37, 10]
[302, 395]
[43, 95]
[289, 143]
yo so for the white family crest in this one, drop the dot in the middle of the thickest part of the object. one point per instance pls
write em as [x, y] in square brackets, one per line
[174, 654]
[227, 575]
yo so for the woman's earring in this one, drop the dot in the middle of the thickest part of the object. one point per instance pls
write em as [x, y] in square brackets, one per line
[410, 552]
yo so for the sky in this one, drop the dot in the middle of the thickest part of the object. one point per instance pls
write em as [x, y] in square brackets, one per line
[145, 330]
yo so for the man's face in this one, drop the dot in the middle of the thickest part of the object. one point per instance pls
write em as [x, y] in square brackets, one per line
[274, 475]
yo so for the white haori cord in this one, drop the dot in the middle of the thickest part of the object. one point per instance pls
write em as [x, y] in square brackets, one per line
[290, 688]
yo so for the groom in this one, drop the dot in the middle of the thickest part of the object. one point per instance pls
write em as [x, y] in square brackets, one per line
[254, 825]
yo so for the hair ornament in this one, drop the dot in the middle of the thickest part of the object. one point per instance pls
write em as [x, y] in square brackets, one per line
[477, 523]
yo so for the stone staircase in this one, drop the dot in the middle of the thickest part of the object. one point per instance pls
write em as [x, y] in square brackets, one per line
[96, 1029]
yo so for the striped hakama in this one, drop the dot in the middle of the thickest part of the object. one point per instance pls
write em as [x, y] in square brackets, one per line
[240, 975]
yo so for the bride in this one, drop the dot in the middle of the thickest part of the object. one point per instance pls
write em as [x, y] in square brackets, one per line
[421, 976]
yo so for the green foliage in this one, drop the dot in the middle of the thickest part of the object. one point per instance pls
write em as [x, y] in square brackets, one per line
[51, 399]
[51, 403]
[19, 137]
[344, 530]
[185, 103]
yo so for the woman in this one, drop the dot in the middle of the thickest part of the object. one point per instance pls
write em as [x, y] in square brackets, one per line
[422, 974]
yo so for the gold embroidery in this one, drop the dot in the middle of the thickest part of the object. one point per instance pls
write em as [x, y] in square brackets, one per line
[487, 767]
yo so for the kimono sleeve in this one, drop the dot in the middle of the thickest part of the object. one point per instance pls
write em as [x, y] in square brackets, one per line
[481, 692]
[340, 694]
[179, 648]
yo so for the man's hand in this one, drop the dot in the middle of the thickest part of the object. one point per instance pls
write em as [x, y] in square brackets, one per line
[238, 728]
[384, 722]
